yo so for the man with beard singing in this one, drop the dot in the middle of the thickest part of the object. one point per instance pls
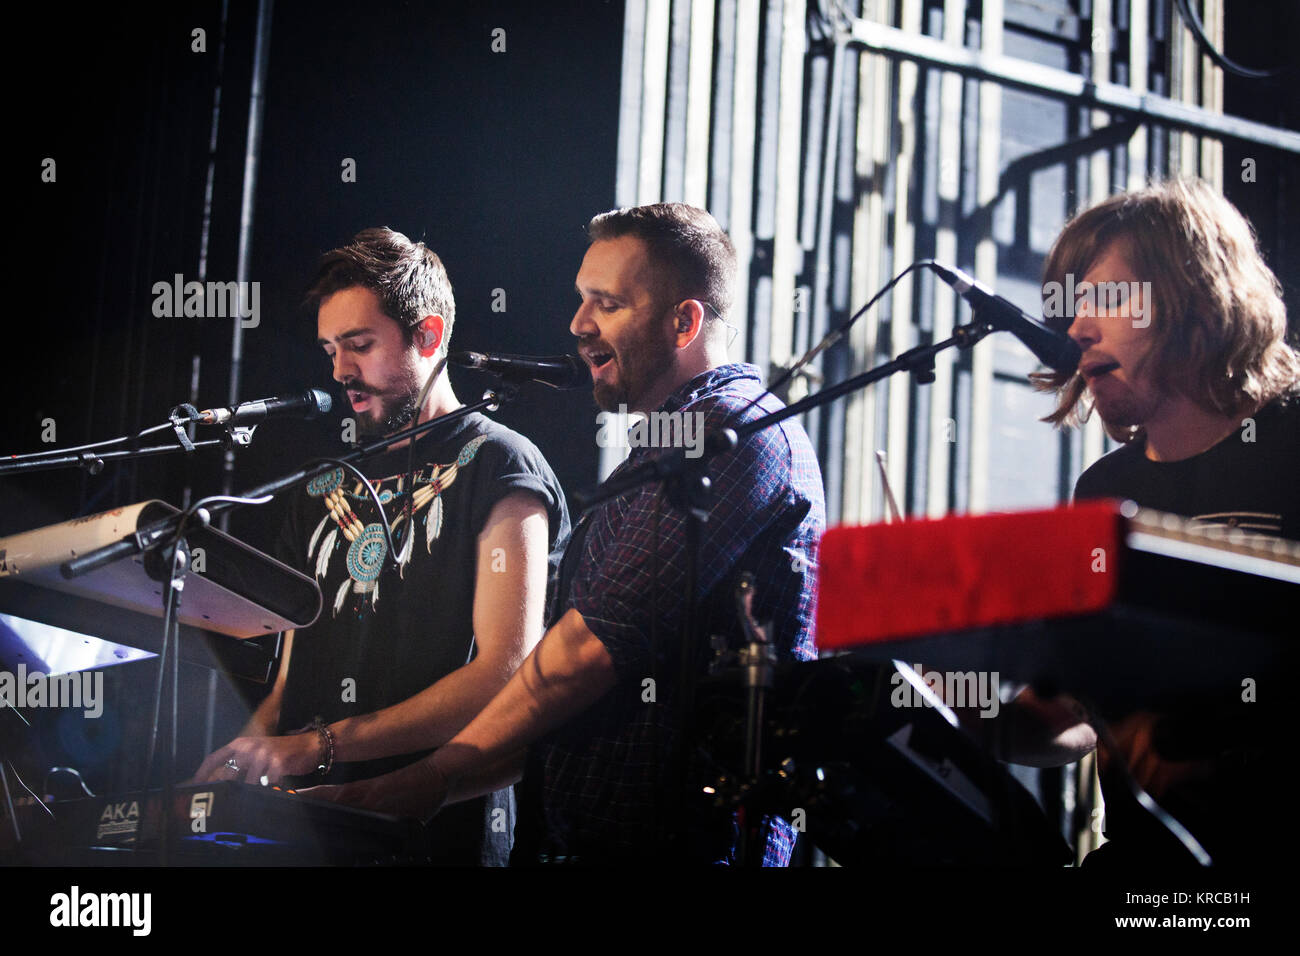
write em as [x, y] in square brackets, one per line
[402, 657]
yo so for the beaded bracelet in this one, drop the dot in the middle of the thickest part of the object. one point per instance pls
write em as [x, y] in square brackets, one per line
[327, 736]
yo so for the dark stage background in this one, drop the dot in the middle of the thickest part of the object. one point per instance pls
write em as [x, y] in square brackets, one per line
[495, 159]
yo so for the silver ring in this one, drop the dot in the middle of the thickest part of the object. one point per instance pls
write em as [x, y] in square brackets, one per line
[232, 765]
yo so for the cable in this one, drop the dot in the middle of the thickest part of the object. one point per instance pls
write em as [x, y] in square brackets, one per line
[99, 444]
[45, 784]
[410, 457]
[1236, 69]
[14, 771]
[833, 336]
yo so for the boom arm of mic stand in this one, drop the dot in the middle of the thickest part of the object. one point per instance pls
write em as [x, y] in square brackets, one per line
[919, 361]
[162, 530]
[94, 461]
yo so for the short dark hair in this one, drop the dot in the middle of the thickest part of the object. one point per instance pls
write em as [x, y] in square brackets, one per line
[685, 241]
[1220, 330]
[407, 277]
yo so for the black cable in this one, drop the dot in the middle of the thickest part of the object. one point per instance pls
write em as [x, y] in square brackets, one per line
[409, 508]
[1236, 69]
[832, 336]
[22, 783]
[99, 444]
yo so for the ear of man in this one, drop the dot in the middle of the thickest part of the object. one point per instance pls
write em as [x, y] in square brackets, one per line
[689, 319]
[428, 335]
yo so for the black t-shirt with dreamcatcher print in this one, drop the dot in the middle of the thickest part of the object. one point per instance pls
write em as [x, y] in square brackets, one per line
[385, 634]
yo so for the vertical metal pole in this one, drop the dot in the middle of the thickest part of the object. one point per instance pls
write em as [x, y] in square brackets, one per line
[677, 88]
[986, 255]
[786, 254]
[252, 155]
[695, 185]
[1139, 31]
[869, 245]
[743, 138]
[196, 362]
[949, 181]
[654, 90]
[629, 104]
[902, 331]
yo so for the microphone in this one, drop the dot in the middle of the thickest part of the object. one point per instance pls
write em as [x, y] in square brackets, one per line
[307, 404]
[1056, 351]
[557, 371]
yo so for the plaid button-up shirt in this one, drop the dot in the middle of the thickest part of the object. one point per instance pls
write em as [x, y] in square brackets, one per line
[601, 777]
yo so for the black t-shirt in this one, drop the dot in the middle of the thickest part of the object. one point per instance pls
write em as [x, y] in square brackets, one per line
[384, 635]
[1249, 480]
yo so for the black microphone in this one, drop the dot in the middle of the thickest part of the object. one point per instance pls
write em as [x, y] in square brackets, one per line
[557, 371]
[1050, 347]
[307, 404]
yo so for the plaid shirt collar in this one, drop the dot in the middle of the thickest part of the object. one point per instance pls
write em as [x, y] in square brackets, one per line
[708, 382]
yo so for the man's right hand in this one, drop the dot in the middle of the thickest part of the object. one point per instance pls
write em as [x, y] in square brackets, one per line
[249, 759]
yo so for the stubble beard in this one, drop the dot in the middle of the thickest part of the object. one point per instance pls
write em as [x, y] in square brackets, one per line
[641, 362]
[397, 406]
[1128, 409]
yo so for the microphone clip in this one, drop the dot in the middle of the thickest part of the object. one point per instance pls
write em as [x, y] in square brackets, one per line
[232, 435]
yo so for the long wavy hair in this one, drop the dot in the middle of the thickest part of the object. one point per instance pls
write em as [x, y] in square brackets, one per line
[1219, 320]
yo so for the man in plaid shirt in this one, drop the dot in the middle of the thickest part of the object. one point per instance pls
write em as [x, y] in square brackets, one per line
[594, 705]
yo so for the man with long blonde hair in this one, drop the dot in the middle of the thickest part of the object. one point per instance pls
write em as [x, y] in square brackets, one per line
[1185, 359]
[1183, 333]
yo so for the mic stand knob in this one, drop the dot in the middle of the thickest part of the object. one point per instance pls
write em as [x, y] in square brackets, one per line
[502, 391]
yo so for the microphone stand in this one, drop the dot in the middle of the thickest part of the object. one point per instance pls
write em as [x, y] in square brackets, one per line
[687, 488]
[93, 461]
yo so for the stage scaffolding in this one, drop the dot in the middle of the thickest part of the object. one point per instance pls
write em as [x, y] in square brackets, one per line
[839, 142]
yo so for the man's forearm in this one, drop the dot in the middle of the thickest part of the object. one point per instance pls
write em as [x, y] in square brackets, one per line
[261, 723]
[567, 672]
[428, 719]
[488, 778]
